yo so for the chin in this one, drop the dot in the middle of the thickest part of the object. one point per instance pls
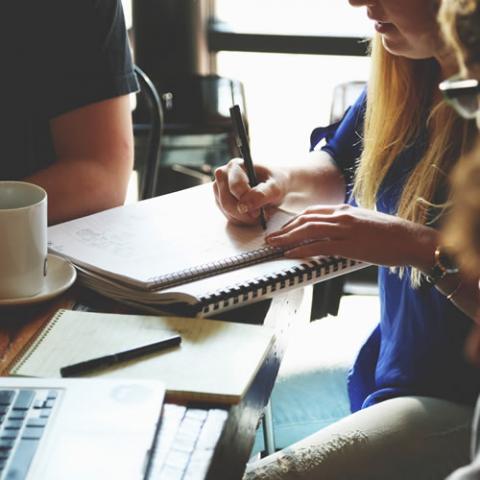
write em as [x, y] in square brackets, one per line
[401, 48]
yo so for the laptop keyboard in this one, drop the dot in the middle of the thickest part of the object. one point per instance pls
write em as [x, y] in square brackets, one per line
[24, 414]
[183, 448]
[185, 443]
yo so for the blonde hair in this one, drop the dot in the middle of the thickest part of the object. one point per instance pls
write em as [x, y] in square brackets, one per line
[400, 106]
[462, 231]
[460, 22]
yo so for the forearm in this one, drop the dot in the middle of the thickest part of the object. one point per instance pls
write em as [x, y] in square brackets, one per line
[77, 187]
[315, 180]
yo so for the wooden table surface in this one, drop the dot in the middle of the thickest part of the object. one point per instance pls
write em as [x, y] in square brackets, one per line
[18, 325]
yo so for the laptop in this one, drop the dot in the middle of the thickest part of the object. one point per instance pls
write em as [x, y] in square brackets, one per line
[80, 429]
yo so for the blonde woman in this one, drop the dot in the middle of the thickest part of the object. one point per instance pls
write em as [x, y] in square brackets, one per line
[411, 391]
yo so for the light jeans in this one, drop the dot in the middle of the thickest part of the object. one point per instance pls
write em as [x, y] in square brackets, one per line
[472, 471]
[406, 438]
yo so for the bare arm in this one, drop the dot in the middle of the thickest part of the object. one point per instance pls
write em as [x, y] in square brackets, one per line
[315, 180]
[94, 148]
[373, 237]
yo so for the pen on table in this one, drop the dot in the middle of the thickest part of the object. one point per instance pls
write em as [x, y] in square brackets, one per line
[113, 359]
[244, 147]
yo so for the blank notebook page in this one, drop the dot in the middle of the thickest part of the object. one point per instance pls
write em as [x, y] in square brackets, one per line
[216, 360]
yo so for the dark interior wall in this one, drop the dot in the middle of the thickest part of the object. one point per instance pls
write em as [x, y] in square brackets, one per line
[170, 38]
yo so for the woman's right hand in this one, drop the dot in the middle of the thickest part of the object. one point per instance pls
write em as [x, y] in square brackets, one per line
[241, 203]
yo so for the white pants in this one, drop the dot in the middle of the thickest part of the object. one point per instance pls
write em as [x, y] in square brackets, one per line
[407, 438]
[471, 471]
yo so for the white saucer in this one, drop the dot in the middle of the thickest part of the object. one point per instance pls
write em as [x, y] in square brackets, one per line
[60, 276]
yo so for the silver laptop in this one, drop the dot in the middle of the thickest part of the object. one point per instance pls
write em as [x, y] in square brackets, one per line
[79, 429]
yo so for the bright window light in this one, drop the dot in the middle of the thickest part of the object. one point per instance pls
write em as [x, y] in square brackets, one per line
[127, 9]
[307, 17]
[287, 96]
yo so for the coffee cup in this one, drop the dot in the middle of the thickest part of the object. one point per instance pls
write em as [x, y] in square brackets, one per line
[23, 239]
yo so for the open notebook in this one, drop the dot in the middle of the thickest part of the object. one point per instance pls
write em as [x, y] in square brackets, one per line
[178, 250]
[216, 361]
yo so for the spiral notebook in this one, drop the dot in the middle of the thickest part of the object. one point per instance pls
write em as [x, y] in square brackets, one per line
[191, 371]
[178, 253]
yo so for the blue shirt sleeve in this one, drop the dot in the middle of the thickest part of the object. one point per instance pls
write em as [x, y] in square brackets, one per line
[344, 139]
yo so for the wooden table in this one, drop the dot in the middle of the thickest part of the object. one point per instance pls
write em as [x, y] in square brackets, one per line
[18, 325]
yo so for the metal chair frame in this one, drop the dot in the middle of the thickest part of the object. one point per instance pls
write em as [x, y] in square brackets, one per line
[149, 179]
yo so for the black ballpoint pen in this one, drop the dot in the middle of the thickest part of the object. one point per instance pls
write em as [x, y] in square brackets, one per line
[109, 360]
[244, 147]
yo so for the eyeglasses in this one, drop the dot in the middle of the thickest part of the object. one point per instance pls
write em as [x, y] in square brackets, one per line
[463, 95]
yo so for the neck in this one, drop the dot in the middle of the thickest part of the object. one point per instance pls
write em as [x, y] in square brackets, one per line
[448, 63]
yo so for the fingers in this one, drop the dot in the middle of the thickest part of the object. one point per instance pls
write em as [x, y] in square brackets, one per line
[228, 204]
[317, 226]
[305, 230]
[324, 212]
[316, 231]
[324, 247]
[235, 178]
[230, 184]
[234, 196]
[264, 194]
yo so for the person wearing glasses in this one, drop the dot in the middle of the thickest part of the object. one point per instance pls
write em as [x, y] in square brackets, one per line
[65, 107]
[411, 391]
[460, 20]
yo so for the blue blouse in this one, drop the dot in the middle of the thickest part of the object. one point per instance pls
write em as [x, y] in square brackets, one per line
[417, 347]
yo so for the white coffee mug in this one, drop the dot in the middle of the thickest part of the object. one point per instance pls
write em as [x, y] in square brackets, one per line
[23, 239]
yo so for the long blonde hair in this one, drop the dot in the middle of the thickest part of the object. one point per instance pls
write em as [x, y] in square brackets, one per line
[400, 106]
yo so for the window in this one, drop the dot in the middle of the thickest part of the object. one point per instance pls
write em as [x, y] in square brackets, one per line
[288, 95]
[305, 17]
[127, 9]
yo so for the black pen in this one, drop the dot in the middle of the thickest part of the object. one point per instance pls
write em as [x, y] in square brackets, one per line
[113, 359]
[244, 147]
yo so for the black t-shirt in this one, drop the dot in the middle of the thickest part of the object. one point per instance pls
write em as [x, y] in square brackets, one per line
[56, 56]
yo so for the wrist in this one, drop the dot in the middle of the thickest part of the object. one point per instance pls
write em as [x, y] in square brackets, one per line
[422, 242]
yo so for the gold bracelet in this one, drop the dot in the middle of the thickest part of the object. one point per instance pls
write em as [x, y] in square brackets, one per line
[455, 290]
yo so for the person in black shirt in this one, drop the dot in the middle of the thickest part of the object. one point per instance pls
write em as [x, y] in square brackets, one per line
[66, 119]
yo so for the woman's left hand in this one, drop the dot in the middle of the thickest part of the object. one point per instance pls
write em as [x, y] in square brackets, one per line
[356, 233]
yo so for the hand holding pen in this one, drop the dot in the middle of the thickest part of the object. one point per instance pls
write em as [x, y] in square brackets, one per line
[244, 147]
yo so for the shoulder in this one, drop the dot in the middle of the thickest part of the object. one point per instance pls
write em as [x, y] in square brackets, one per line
[87, 58]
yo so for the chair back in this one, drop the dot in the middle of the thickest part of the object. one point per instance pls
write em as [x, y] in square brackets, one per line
[148, 119]
[344, 95]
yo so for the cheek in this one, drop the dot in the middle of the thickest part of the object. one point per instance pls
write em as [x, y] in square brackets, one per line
[413, 16]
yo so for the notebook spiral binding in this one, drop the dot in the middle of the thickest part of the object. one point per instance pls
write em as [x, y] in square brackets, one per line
[214, 268]
[306, 273]
[25, 353]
